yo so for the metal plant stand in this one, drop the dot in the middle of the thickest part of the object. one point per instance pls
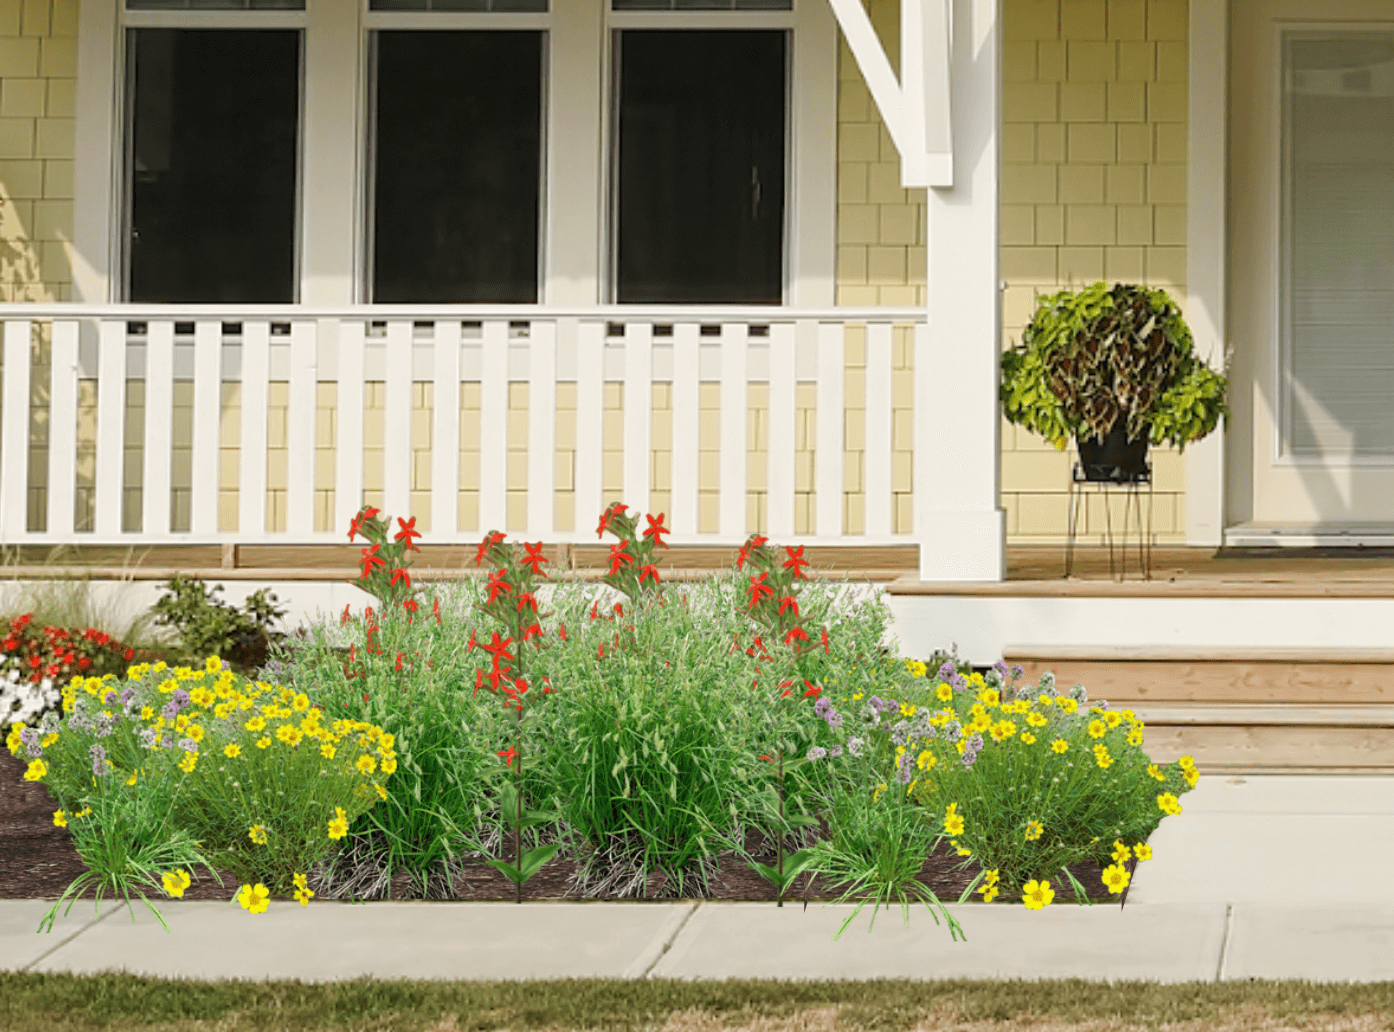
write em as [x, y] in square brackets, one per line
[1133, 502]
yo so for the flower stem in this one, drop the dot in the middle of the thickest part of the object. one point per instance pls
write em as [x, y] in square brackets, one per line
[780, 753]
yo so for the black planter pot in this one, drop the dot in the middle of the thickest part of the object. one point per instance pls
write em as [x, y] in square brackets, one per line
[1115, 459]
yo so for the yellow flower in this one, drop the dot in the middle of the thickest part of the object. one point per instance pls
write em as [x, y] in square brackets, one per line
[944, 692]
[301, 703]
[213, 665]
[989, 892]
[188, 763]
[176, 882]
[1037, 720]
[382, 792]
[257, 834]
[232, 751]
[264, 742]
[254, 899]
[1066, 704]
[1112, 719]
[1034, 830]
[366, 765]
[1142, 851]
[879, 789]
[327, 751]
[195, 732]
[953, 822]
[255, 724]
[1115, 877]
[1059, 745]
[290, 735]
[1186, 763]
[1003, 730]
[1120, 851]
[988, 696]
[1037, 894]
[1028, 737]
[60, 819]
[37, 769]
[976, 679]
[1097, 729]
[390, 764]
[132, 779]
[1168, 803]
[1102, 758]
[926, 760]
[1135, 736]
[961, 850]
[49, 740]
[338, 827]
[302, 896]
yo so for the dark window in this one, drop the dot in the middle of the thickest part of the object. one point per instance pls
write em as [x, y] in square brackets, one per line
[702, 5]
[700, 206]
[215, 5]
[214, 118]
[457, 167]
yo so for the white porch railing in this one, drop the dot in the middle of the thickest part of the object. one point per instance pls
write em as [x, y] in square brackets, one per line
[444, 345]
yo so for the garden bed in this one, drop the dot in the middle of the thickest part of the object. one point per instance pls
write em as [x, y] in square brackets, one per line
[39, 861]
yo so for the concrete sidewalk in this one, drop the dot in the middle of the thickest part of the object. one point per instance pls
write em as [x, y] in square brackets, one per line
[1260, 877]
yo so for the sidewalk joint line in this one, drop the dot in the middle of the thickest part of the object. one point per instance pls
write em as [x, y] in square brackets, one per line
[1224, 943]
[90, 924]
[668, 945]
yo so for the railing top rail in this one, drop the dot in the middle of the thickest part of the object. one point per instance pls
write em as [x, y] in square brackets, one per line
[592, 313]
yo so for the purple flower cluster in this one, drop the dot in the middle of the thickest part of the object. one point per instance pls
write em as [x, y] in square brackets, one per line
[177, 702]
[98, 761]
[971, 747]
[29, 738]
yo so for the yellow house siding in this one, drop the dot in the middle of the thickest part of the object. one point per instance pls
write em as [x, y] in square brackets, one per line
[1093, 167]
[38, 89]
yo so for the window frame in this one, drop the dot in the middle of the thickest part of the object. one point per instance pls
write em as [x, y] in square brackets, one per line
[375, 22]
[665, 21]
[125, 136]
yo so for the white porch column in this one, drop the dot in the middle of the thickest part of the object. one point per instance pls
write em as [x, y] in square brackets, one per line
[331, 153]
[959, 522]
[1205, 252]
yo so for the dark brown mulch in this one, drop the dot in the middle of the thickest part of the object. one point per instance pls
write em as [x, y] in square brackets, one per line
[39, 861]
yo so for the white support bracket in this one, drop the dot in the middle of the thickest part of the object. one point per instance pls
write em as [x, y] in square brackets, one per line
[916, 107]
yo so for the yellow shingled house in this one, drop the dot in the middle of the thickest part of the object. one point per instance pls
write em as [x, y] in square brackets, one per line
[747, 263]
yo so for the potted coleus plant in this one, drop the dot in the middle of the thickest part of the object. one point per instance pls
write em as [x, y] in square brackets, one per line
[1114, 368]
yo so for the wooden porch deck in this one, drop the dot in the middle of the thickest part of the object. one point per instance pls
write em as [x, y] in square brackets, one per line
[1031, 569]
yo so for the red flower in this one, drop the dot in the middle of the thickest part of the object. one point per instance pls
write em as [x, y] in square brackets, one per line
[400, 573]
[365, 696]
[496, 585]
[435, 607]
[35, 662]
[369, 560]
[508, 755]
[618, 555]
[399, 660]
[796, 560]
[346, 615]
[609, 514]
[363, 516]
[408, 531]
[486, 544]
[656, 528]
[84, 663]
[758, 587]
[533, 557]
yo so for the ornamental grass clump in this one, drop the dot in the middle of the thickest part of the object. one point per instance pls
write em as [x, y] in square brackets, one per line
[1026, 780]
[175, 767]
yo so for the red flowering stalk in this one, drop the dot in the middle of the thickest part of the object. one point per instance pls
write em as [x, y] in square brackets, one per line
[773, 602]
[386, 570]
[631, 562]
[512, 602]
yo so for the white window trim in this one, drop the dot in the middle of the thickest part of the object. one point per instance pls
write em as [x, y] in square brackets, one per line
[575, 238]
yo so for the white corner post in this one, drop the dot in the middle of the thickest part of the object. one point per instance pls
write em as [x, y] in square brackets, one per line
[90, 250]
[1206, 177]
[959, 521]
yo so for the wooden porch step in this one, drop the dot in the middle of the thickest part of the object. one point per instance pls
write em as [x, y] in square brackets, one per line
[1233, 709]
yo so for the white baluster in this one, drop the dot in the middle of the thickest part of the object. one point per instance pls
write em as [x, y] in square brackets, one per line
[348, 437]
[827, 481]
[251, 483]
[734, 413]
[62, 432]
[207, 429]
[590, 414]
[445, 432]
[493, 428]
[14, 432]
[109, 494]
[779, 490]
[687, 340]
[300, 431]
[542, 430]
[638, 418]
[159, 418]
[876, 459]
